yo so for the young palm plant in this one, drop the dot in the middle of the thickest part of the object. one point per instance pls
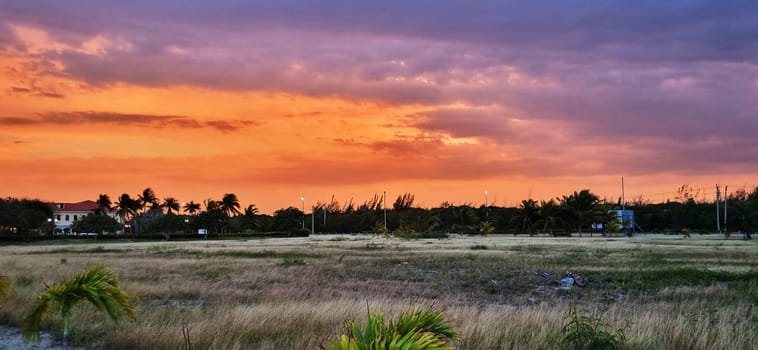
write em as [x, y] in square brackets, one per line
[98, 285]
[417, 329]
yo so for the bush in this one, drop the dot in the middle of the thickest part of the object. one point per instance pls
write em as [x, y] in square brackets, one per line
[299, 232]
[413, 329]
[589, 333]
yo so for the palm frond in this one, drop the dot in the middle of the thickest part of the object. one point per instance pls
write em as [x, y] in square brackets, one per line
[98, 285]
[417, 329]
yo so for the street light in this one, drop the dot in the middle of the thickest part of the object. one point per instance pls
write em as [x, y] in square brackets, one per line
[302, 200]
[485, 198]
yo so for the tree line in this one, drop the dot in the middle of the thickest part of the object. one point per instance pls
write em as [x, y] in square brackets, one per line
[580, 212]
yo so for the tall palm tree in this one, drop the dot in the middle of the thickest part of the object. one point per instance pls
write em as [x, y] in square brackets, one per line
[191, 208]
[230, 204]
[251, 210]
[211, 205]
[148, 198]
[415, 329]
[170, 204]
[580, 208]
[527, 215]
[548, 213]
[126, 207]
[104, 204]
[98, 285]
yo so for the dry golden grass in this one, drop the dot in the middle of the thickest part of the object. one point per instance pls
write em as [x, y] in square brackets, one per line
[669, 293]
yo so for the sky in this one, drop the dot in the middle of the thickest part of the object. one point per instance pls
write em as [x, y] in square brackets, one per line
[278, 100]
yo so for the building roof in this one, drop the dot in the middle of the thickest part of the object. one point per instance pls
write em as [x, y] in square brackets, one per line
[86, 206]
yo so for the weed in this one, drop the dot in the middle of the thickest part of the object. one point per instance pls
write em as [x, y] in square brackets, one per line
[374, 246]
[478, 247]
[287, 262]
[583, 332]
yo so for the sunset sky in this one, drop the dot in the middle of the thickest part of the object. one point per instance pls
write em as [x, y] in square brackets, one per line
[444, 99]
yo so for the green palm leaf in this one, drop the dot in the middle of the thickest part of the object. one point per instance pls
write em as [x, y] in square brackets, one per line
[98, 285]
[416, 329]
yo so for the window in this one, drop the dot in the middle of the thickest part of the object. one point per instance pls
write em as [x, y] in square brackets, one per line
[75, 217]
[58, 217]
[66, 217]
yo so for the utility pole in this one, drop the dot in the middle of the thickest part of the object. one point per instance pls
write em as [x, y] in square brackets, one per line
[725, 203]
[718, 199]
[623, 207]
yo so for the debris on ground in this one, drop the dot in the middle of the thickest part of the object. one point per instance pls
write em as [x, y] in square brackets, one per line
[568, 281]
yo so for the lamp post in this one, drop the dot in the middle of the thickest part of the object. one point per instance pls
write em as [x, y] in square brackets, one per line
[485, 198]
[302, 200]
[50, 222]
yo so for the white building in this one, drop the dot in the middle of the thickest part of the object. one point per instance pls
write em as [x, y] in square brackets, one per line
[65, 214]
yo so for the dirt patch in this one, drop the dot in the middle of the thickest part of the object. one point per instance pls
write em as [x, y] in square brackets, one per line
[10, 339]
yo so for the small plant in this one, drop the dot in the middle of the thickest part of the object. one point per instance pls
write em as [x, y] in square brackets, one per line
[287, 262]
[479, 247]
[589, 333]
[98, 285]
[5, 287]
[374, 246]
[420, 329]
[485, 228]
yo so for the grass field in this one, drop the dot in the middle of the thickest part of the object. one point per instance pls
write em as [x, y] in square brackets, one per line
[665, 291]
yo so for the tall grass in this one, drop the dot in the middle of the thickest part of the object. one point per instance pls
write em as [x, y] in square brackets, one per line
[243, 295]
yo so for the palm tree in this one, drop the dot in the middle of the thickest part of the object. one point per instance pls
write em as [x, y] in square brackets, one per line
[527, 214]
[580, 208]
[414, 329]
[191, 207]
[486, 227]
[126, 207]
[98, 285]
[104, 204]
[251, 210]
[170, 204]
[211, 205]
[250, 218]
[148, 197]
[230, 204]
[548, 213]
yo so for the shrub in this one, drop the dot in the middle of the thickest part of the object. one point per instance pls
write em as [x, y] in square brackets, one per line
[589, 333]
[98, 285]
[415, 329]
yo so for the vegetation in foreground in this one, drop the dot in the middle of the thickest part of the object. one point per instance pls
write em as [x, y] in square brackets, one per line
[98, 285]
[666, 293]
